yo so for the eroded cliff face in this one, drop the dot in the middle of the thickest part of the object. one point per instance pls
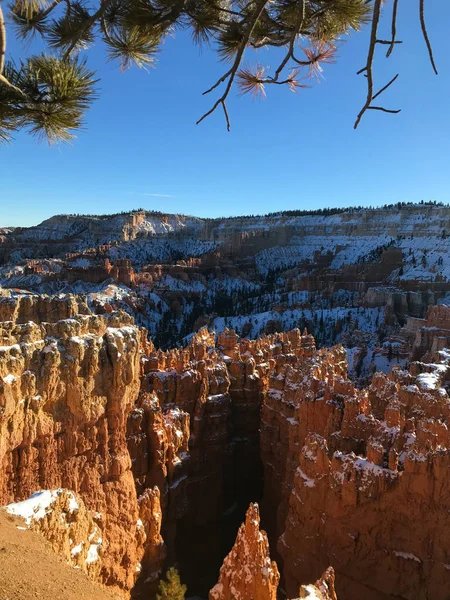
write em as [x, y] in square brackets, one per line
[248, 573]
[358, 470]
[195, 434]
[67, 384]
[63, 519]
[164, 451]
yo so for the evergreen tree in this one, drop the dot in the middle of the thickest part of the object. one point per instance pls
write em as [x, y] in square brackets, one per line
[172, 588]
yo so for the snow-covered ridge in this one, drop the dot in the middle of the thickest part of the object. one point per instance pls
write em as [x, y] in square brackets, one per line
[104, 229]
[404, 220]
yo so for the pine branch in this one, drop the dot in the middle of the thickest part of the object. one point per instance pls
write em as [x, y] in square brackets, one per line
[393, 28]
[232, 72]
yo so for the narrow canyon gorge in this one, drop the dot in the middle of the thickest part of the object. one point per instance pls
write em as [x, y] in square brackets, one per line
[130, 459]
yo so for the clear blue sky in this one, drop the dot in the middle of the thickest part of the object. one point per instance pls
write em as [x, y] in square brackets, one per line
[141, 146]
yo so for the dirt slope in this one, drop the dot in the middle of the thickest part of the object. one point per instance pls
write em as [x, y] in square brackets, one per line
[30, 570]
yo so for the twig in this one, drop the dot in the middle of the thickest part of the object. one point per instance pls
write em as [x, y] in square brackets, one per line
[368, 69]
[232, 72]
[2, 41]
[386, 110]
[393, 28]
[369, 64]
[425, 34]
[385, 87]
[390, 42]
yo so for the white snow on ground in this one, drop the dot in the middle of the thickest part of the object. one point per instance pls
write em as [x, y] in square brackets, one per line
[93, 551]
[364, 319]
[38, 505]
[230, 285]
[428, 381]
[80, 262]
[425, 257]
[151, 250]
[174, 284]
[107, 227]
[311, 592]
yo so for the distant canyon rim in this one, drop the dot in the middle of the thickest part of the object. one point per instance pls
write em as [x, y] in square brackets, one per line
[261, 402]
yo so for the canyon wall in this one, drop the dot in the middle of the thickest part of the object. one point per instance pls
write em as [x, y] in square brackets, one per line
[166, 450]
[359, 478]
[67, 384]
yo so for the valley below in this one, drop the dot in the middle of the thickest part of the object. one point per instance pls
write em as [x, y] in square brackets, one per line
[261, 402]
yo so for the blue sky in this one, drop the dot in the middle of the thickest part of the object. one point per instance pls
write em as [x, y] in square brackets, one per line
[141, 147]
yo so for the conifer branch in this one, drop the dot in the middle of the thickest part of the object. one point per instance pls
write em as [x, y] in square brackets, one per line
[233, 71]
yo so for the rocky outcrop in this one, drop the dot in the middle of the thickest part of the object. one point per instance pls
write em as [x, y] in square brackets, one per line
[63, 519]
[67, 384]
[356, 469]
[161, 452]
[247, 572]
[194, 433]
[323, 589]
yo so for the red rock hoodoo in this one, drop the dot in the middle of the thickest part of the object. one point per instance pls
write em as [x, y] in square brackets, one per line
[166, 450]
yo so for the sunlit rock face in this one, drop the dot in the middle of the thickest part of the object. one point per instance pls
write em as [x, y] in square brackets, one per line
[164, 451]
[357, 471]
[67, 384]
[63, 519]
[247, 572]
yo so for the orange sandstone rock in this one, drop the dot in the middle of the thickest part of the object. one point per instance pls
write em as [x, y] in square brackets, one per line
[247, 572]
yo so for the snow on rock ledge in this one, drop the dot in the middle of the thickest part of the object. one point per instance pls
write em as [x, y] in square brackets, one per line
[62, 518]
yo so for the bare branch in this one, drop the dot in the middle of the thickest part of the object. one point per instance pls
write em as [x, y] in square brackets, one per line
[218, 82]
[425, 34]
[393, 28]
[368, 69]
[290, 53]
[385, 87]
[369, 65]
[386, 110]
[227, 118]
[390, 42]
[2, 41]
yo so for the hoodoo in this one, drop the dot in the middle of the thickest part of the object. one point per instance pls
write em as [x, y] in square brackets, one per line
[130, 458]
